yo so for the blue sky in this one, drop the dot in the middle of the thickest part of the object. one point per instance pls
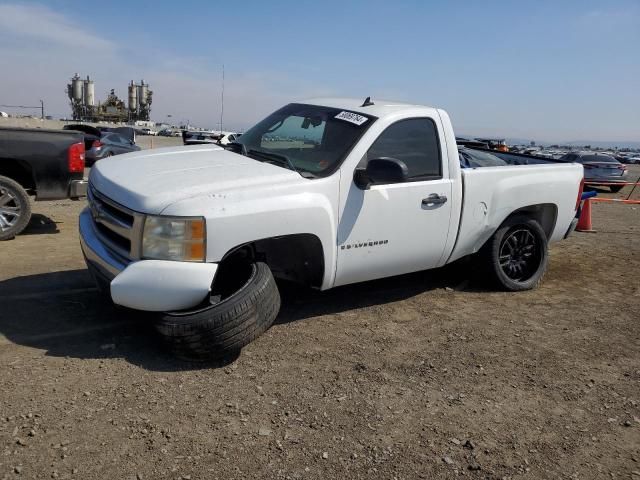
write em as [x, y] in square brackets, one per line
[547, 70]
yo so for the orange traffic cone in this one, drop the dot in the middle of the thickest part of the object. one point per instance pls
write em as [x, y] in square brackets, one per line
[584, 222]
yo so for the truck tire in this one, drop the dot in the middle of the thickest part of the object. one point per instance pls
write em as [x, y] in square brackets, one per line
[516, 255]
[15, 208]
[222, 329]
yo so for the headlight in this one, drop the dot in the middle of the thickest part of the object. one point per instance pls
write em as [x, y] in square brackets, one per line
[174, 238]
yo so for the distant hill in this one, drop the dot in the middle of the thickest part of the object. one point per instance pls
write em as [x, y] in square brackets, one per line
[577, 143]
[573, 143]
[621, 144]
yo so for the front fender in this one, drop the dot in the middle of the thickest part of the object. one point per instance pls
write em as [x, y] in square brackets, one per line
[236, 219]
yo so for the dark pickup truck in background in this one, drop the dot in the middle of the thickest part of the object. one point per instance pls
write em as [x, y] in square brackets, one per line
[46, 163]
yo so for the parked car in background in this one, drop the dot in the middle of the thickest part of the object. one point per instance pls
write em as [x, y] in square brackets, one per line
[465, 142]
[499, 144]
[109, 144]
[167, 132]
[632, 160]
[102, 142]
[599, 169]
[148, 131]
[46, 163]
[200, 138]
[229, 137]
[475, 158]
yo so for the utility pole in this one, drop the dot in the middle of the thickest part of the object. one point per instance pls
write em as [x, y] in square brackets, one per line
[222, 109]
[42, 109]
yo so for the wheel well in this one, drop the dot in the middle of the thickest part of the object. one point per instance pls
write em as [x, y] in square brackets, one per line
[545, 214]
[298, 258]
[18, 171]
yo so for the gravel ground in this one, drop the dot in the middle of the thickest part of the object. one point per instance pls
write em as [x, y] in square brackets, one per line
[429, 375]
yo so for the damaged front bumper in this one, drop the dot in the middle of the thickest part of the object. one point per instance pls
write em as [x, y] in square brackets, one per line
[150, 285]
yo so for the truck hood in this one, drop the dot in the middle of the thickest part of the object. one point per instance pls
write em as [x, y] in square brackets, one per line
[151, 180]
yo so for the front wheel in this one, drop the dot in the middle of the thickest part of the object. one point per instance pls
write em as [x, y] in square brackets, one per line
[15, 209]
[241, 310]
[517, 254]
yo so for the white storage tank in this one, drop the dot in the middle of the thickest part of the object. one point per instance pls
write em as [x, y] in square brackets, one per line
[133, 96]
[142, 93]
[77, 88]
[89, 92]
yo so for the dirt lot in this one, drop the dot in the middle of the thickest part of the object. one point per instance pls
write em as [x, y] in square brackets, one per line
[423, 376]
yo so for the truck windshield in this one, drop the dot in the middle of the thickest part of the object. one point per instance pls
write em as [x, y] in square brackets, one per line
[310, 139]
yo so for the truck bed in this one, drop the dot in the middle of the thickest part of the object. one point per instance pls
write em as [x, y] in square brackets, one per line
[491, 194]
[37, 158]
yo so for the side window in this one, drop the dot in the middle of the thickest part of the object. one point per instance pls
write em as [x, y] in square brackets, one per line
[415, 142]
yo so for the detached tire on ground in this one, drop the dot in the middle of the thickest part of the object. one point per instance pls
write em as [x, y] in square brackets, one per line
[222, 329]
[516, 256]
[15, 208]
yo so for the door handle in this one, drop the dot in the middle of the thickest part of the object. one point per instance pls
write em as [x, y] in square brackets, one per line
[434, 199]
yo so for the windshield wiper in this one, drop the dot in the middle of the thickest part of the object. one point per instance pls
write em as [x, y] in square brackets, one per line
[236, 147]
[282, 159]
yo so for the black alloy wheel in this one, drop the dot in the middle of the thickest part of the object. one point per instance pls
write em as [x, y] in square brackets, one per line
[519, 254]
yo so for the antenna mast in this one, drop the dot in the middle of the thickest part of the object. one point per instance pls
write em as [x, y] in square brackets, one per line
[222, 109]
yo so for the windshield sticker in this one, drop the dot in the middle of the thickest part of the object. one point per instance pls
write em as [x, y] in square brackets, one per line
[352, 117]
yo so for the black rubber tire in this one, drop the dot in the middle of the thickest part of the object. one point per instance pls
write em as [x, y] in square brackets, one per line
[616, 188]
[22, 201]
[491, 254]
[221, 330]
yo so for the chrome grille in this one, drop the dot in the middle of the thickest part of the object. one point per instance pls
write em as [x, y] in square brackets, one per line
[117, 227]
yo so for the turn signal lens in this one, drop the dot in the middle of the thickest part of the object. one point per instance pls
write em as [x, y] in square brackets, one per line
[174, 238]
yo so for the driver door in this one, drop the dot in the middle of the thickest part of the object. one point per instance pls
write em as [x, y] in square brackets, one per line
[394, 229]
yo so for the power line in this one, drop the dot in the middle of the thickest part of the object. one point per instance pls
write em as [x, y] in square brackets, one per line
[41, 107]
[18, 106]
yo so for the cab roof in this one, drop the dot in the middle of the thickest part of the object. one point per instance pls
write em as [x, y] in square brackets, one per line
[380, 108]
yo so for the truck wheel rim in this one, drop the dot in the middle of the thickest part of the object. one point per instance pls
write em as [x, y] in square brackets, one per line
[9, 209]
[519, 255]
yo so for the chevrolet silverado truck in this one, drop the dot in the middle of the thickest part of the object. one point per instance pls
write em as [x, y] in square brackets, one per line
[46, 163]
[326, 192]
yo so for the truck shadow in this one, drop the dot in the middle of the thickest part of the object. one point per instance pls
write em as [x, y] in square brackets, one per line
[40, 224]
[63, 314]
[299, 303]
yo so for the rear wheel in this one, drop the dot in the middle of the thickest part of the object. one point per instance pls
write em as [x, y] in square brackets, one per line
[243, 308]
[616, 188]
[15, 209]
[517, 255]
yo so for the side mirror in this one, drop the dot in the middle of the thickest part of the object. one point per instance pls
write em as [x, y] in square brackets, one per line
[381, 170]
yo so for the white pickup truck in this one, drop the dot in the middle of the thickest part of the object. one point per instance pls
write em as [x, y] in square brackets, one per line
[326, 192]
